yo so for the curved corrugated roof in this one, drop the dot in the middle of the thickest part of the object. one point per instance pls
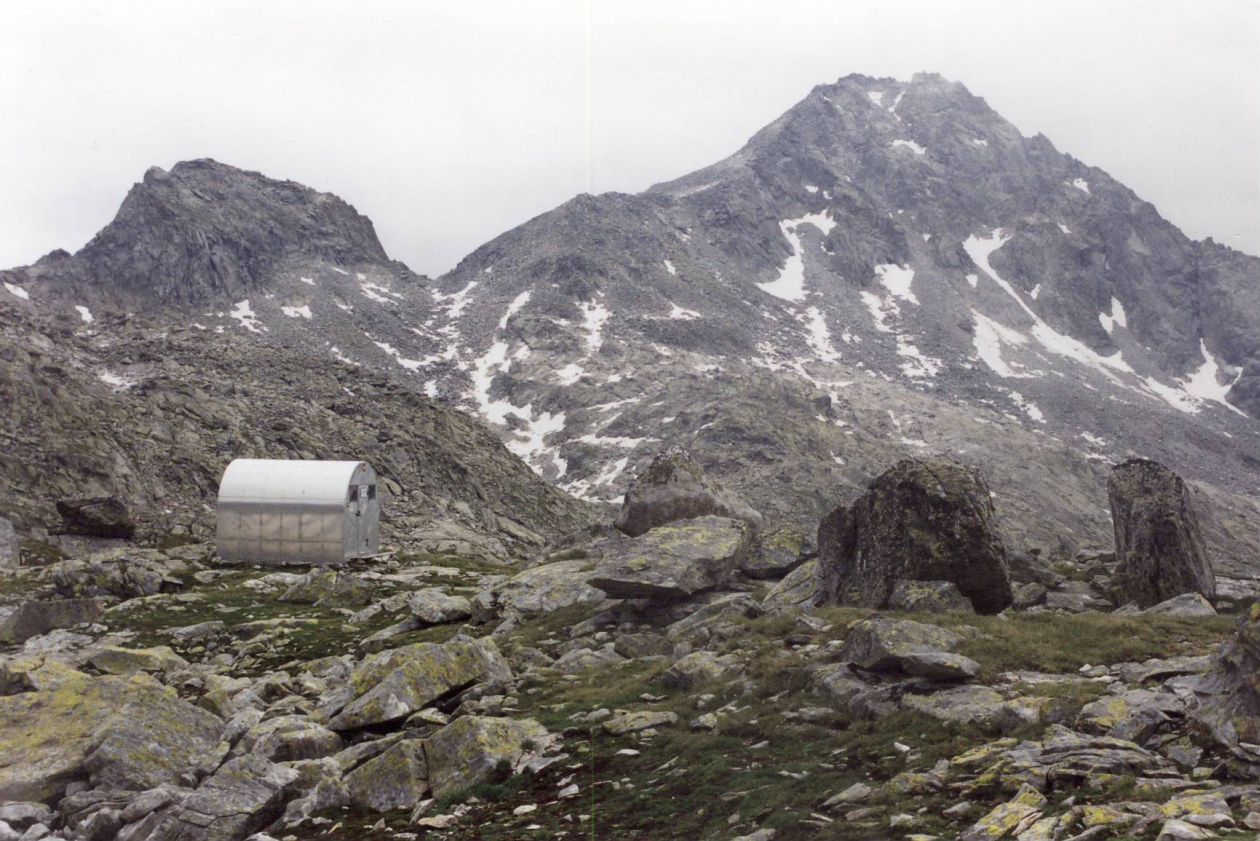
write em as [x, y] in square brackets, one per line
[281, 480]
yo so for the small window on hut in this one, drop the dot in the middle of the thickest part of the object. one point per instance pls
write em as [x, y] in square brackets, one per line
[354, 493]
[371, 491]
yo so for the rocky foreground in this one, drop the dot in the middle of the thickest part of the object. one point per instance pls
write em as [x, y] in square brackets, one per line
[709, 677]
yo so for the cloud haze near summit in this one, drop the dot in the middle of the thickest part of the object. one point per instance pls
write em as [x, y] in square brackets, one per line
[448, 123]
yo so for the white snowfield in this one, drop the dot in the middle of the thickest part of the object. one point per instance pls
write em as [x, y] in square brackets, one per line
[898, 280]
[85, 314]
[244, 314]
[303, 311]
[17, 291]
[790, 284]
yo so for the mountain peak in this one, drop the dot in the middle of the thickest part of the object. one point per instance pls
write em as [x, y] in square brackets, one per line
[205, 230]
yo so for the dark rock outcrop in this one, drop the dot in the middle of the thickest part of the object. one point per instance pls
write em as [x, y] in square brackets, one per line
[36, 617]
[674, 487]
[1228, 695]
[1159, 548]
[102, 516]
[919, 521]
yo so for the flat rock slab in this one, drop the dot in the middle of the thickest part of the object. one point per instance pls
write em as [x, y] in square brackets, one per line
[673, 561]
[882, 644]
[395, 683]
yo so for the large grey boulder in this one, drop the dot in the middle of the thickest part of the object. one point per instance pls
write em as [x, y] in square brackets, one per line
[396, 779]
[1227, 698]
[469, 750]
[393, 684]
[123, 732]
[1159, 548]
[673, 561]
[919, 521]
[881, 643]
[35, 617]
[243, 796]
[546, 588]
[674, 487]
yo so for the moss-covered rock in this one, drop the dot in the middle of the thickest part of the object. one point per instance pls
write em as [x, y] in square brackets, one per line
[673, 561]
[395, 683]
[397, 779]
[125, 732]
[674, 487]
[920, 521]
[116, 660]
[469, 750]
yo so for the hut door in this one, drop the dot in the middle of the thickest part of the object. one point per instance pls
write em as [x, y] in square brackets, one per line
[354, 517]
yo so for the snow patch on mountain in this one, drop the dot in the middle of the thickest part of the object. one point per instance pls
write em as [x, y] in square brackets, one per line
[988, 337]
[17, 291]
[85, 314]
[1116, 316]
[819, 337]
[790, 284]
[911, 145]
[303, 311]
[1205, 383]
[244, 313]
[898, 280]
[669, 267]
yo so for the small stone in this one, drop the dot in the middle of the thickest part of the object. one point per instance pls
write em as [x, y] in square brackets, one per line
[525, 809]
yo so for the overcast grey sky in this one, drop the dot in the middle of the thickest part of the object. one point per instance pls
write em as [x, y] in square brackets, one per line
[450, 122]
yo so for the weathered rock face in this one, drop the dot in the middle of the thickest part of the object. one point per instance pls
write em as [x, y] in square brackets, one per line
[394, 780]
[396, 683]
[32, 618]
[468, 750]
[673, 561]
[1159, 548]
[243, 796]
[102, 516]
[884, 644]
[1228, 701]
[674, 487]
[124, 732]
[545, 588]
[919, 521]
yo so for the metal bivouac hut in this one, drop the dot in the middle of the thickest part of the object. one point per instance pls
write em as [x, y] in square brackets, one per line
[282, 511]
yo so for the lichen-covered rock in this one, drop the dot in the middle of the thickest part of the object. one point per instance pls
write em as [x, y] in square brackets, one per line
[673, 561]
[674, 487]
[882, 644]
[698, 668]
[35, 617]
[919, 521]
[976, 706]
[1009, 819]
[778, 553]
[395, 683]
[635, 721]
[129, 574]
[116, 660]
[288, 738]
[547, 588]
[127, 732]
[797, 589]
[1187, 604]
[243, 796]
[397, 779]
[584, 659]
[470, 749]
[434, 606]
[929, 597]
[1227, 697]
[1159, 547]
[329, 587]
[939, 665]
